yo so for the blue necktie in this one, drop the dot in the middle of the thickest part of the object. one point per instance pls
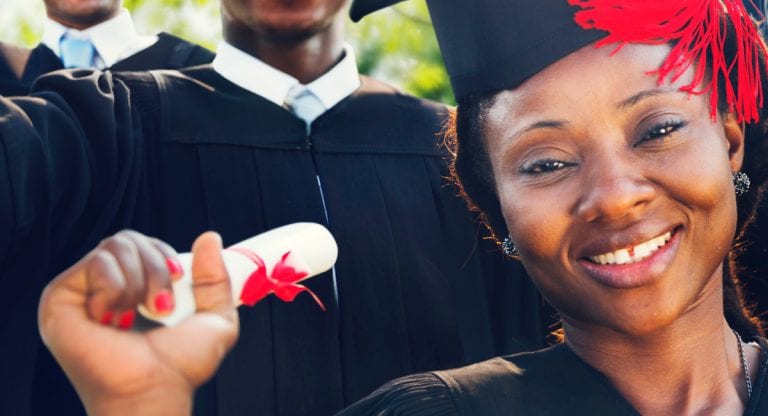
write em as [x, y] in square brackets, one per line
[304, 104]
[77, 52]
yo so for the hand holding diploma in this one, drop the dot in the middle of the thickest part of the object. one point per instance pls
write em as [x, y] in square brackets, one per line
[85, 312]
[155, 372]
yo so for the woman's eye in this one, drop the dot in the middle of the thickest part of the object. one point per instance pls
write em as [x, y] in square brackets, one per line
[544, 166]
[663, 130]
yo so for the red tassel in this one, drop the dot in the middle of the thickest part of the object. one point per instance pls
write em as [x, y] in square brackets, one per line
[695, 30]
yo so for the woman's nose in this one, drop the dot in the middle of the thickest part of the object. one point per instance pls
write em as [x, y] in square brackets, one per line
[614, 187]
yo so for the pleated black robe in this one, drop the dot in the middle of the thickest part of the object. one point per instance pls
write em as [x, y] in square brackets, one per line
[169, 52]
[418, 288]
[550, 382]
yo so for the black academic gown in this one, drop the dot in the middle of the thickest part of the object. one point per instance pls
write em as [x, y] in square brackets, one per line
[418, 288]
[550, 382]
[169, 52]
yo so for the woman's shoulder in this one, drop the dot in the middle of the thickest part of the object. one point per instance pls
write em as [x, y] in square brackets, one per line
[524, 383]
[519, 384]
[435, 393]
[423, 394]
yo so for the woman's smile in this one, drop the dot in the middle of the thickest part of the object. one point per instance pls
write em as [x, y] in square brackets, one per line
[636, 265]
[633, 254]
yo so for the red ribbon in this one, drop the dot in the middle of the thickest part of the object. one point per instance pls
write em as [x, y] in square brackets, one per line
[283, 281]
[696, 32]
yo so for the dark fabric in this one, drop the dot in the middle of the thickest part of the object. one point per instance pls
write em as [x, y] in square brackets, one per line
[553, 381]
[753, 262]
[169, 52]
[758, 403]
[490, 45]
[419, 289]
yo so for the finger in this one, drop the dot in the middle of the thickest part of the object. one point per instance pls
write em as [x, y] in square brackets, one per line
[106, 285]
[158, 297]
[171, 258]
[90, 290]
[209, 276]
[124, 250]
[216, 316]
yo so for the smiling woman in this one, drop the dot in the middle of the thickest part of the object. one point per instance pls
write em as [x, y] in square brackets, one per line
[587, 192]
[615, 174]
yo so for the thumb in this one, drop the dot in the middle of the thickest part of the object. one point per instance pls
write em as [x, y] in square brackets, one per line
[209, 276]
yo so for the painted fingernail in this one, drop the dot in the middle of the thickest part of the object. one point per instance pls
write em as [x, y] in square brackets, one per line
[126, 320]
[164, 301]
[174, 267]
[107, 318]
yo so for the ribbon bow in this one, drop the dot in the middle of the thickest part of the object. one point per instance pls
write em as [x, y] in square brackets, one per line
[283, 281]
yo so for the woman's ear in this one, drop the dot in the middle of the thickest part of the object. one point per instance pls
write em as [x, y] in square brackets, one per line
[734, 136]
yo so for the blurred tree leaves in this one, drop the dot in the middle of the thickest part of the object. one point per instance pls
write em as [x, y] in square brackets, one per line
[396, 45]
[399, 46]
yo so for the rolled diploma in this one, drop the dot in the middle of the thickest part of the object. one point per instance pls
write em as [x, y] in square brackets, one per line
[312, 247]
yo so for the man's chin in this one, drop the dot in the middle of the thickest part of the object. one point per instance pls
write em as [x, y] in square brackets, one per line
[287, 34]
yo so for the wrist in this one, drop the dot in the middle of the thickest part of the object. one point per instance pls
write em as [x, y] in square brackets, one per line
[159, 402]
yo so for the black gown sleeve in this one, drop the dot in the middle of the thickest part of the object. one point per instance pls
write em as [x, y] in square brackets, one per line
[70, 164]
[74, 159]
[422, 394]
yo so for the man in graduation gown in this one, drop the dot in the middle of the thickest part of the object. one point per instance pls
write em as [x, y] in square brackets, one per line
[88, 34]
[280, 128]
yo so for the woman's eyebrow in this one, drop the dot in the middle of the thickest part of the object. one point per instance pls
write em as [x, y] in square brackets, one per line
[542, 124]
[633, 100]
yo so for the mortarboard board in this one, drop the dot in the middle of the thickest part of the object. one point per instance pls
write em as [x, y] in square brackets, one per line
[493, 44]
[489, 45]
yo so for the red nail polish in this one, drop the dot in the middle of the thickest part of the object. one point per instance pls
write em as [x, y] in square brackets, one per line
[126, 320]
[164, 301]
[107, 318]
[174, 267]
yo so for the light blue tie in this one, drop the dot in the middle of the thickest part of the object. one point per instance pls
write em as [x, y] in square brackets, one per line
[77, 52]
[304, 104]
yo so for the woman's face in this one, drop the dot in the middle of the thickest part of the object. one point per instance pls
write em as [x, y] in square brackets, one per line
[616, 190]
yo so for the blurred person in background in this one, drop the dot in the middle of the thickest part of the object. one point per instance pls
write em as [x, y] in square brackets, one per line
[92, 34]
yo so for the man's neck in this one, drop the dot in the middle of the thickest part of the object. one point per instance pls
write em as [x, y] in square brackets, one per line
[305, 59]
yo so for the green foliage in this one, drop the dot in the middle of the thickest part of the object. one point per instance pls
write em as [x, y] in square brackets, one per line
[399, 46]
[396, 45]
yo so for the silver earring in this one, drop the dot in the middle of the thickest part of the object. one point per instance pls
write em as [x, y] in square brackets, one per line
[741, 183]
[508, 247]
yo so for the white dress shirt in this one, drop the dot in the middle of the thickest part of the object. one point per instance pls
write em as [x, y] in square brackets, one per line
[252, 74]
[114, 39]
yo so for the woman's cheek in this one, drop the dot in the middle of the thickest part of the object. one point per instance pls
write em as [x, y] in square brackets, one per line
[536, 222]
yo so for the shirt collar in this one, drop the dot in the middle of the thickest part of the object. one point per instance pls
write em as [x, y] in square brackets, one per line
[252, 74]
[114, 39]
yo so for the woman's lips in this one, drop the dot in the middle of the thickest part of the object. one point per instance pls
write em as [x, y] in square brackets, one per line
[633, 254]
[635, 266]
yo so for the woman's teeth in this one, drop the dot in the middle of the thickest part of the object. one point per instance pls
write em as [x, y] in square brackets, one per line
[633, 254]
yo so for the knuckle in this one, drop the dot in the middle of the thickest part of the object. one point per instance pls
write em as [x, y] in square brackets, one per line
[117, 243]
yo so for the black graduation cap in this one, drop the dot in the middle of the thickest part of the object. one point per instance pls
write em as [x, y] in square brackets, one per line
[489, 45]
